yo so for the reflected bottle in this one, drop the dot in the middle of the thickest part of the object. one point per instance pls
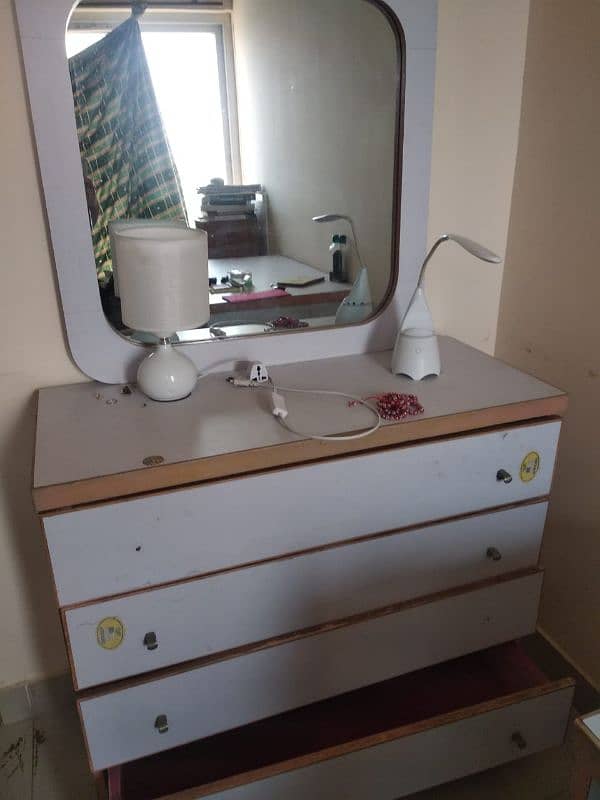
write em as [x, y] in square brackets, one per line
[339, 251]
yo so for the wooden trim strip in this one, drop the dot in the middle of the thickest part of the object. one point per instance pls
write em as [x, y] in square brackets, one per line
[247, 649]
[168, 476]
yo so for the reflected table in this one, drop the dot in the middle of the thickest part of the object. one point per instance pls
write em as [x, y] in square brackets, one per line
[319, 300]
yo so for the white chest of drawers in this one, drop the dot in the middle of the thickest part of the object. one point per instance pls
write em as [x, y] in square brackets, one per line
[260, 617]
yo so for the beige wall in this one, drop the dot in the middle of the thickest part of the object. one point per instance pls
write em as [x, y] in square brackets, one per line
[479, 79]
[550, 310]
[32, 354]
[317, 88]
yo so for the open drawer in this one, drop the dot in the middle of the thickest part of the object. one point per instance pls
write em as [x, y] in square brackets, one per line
[377, 743]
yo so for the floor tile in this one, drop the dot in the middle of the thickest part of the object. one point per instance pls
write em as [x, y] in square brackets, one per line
[14, 705]
[60, 768]
[16, 748]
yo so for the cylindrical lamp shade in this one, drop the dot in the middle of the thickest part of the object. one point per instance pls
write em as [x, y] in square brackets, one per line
[163, 278]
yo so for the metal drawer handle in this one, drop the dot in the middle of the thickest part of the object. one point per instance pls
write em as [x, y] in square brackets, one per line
[161, 723]
[503, 476]
[518, 739]
[493, 554]
[150, 641]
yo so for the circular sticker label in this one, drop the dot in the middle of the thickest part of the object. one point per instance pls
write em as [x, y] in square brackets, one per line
[110, 633]
[530, 467]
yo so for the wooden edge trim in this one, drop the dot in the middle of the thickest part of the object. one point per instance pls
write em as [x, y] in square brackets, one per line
[323, 548]
[168, 476]
[395, 734]
[100, 782]
[317, 630]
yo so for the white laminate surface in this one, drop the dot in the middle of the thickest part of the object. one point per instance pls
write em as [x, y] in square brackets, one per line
[592, 722]
[116, 547]
[429, 758]
[210, 615]
[119, 725]
[82, 433]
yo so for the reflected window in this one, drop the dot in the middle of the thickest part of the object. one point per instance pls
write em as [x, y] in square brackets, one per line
[189, 78]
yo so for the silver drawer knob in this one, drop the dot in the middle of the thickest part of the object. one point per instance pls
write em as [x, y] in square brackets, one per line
[161, 723]
[519, 740]
[150, 641]
[502, 476]
[493, 554]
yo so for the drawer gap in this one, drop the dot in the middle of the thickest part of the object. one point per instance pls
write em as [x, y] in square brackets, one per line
[333, 727]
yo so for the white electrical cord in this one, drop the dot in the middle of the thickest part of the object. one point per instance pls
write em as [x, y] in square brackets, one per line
[280, 411]
[325, 438]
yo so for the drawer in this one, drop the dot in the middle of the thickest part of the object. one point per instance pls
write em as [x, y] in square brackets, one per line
[119, 725]
[379, 743]
[202, 617]
[118, 547]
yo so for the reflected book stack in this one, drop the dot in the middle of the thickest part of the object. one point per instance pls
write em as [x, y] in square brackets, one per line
[220, 200]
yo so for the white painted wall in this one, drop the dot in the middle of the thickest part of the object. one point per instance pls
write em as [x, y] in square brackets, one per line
[316, 89]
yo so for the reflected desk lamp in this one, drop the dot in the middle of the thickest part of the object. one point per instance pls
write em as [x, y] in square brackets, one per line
[163, 283]
[358, 306]
[416, 353]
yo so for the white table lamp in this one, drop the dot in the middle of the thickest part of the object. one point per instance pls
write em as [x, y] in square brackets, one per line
[416, 353]
[163, 283]
[358, 306]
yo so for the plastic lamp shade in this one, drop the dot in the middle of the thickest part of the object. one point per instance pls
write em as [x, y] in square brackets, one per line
[116, 225]
[163, 278]
[474, 248]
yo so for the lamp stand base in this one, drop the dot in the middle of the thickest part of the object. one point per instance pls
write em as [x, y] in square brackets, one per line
[417, 354]
[167, 375]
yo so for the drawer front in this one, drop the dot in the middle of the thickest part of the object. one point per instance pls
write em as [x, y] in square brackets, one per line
[210, 615]
[403, 766]
[118, 547]
[120, 725]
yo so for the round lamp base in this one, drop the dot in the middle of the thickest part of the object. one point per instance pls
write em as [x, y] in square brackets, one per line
[167, 375]
[416, 354]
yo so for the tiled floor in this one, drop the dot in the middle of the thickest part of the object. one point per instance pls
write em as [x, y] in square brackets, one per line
[45, 760]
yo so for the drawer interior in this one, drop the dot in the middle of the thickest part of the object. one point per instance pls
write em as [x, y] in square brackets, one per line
[363, 718]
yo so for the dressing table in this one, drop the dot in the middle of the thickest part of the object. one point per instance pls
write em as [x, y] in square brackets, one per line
[252, 615]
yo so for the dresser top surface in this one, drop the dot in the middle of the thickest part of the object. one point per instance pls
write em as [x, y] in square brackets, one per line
[92, 439]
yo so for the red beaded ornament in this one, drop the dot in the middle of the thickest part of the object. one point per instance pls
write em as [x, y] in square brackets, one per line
[394, 406]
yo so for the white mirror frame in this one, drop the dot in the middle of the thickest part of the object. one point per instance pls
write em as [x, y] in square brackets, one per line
[97, 349]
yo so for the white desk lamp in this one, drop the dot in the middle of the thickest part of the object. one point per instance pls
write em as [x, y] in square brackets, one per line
[358, 306]
[163, 282]
[416, 353]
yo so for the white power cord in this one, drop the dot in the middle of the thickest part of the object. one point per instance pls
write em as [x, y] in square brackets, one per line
[281, 413]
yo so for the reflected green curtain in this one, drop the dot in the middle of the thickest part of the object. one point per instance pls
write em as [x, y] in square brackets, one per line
[127, 164]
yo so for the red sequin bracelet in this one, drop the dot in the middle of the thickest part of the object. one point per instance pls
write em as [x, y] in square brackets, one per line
[394, 406]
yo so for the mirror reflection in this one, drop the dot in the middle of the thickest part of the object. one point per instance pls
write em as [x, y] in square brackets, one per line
[269, 124]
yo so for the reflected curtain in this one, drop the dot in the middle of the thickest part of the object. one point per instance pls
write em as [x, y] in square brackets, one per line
[127, 164]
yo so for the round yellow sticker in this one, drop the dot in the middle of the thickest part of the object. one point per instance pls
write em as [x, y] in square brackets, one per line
[530, 467]
[110, 633]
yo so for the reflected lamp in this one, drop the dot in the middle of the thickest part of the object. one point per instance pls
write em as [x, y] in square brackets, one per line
[358, 306]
